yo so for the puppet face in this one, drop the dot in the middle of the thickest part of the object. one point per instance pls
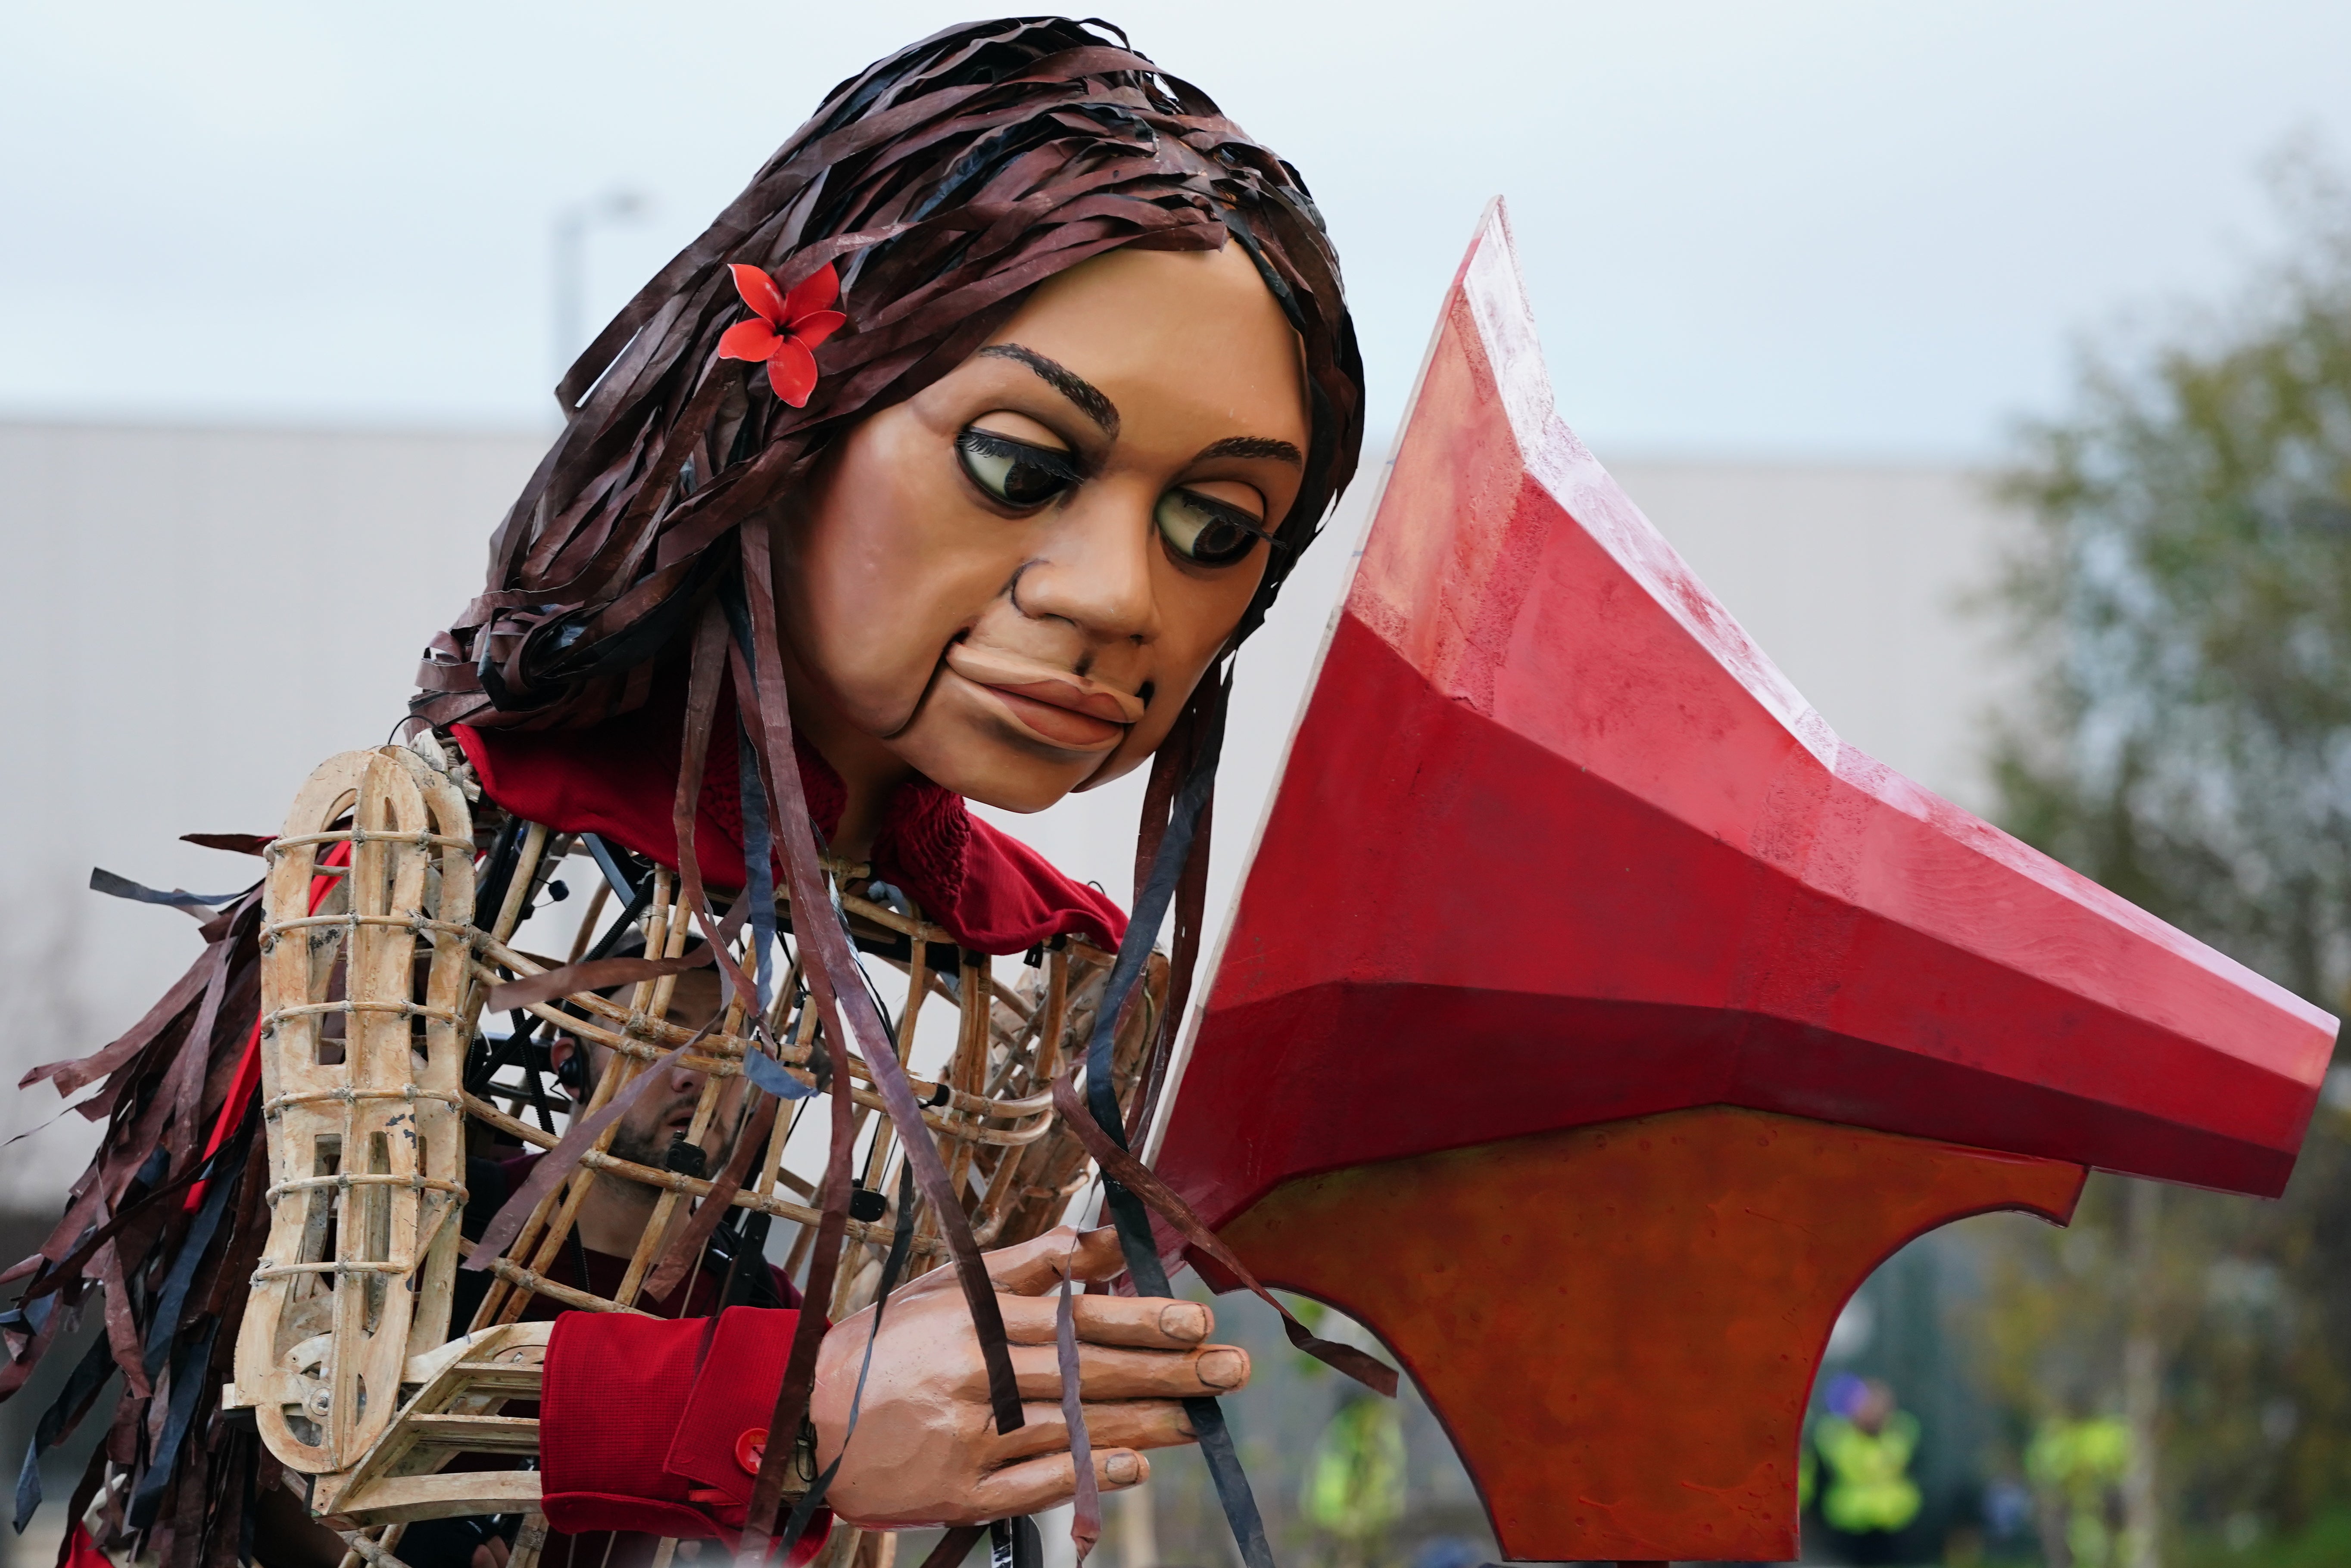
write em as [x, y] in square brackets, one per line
[1012, 582]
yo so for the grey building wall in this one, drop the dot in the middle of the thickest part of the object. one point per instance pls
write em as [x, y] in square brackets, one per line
[191, 620]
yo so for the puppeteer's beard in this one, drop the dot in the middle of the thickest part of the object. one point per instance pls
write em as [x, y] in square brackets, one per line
[640, 1148]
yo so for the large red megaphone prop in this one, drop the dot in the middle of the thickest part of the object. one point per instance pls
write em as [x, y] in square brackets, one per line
[1593, 1021]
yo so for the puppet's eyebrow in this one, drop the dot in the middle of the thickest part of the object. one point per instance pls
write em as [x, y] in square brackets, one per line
[1252, 446]
[1062, 379]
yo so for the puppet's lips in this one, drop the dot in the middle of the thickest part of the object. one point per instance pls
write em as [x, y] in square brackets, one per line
[1054, 694]
[1062, 726]
[1061, 706]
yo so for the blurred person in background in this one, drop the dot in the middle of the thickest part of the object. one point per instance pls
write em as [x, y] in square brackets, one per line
[1866, 1444]
[2076, 1469]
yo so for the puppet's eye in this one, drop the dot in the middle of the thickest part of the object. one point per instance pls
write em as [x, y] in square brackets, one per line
[1015, 473]
[1207, 531]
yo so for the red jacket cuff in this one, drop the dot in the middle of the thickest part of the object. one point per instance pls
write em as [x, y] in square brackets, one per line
[723, 1430]
[656, 1424]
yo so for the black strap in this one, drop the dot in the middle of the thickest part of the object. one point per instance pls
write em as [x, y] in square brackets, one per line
[1151, 903]
[164, 1320]
[1015, 1543]
[741, 1243]
[65, 1413]
[758, 865]
[104, 881]
[1127, 1212]
[902, 1242]
[188, 1381]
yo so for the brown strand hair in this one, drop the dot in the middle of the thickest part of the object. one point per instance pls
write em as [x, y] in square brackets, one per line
[944, 183]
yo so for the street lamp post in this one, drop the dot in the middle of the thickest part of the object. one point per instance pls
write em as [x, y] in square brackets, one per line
[568, 264]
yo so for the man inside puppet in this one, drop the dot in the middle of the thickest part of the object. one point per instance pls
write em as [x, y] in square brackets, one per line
[952, 462]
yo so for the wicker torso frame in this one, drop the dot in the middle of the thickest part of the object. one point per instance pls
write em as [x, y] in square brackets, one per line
[376, 970]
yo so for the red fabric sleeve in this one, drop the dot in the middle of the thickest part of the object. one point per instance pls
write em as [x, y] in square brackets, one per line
[655, 1423]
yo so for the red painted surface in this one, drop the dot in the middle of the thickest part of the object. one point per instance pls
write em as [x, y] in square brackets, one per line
[1557, 845]
[1619, 1326]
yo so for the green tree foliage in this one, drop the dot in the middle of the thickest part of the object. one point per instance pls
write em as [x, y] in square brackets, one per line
[2185, 594]
[2188, 593]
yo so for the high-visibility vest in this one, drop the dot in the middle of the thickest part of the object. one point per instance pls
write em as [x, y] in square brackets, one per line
[2081, 1461]
[1869, 1487]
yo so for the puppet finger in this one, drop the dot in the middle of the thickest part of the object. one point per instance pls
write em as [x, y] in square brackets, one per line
[1147, 1325]
[1110, 1423]
[1027, 1268]
[1106, 1372]
[1034, 1268]
[1035, 1485]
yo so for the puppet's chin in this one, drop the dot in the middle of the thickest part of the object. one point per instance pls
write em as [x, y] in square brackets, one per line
[994, 751]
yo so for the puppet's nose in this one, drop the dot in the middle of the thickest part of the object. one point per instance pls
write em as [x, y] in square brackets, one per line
[1096, 574]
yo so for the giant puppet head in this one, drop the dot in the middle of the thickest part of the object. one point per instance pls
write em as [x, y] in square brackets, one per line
[1091, 388]
[1096, 388]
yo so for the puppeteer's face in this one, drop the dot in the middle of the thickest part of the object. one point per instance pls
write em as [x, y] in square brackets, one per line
[1012, 581]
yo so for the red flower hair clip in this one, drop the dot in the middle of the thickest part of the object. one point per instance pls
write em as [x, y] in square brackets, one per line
[788, 327]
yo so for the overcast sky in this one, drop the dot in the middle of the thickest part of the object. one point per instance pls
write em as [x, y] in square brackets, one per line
[1835, 230]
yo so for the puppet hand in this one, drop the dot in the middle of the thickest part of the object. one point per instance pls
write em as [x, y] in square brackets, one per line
[927, 1451]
